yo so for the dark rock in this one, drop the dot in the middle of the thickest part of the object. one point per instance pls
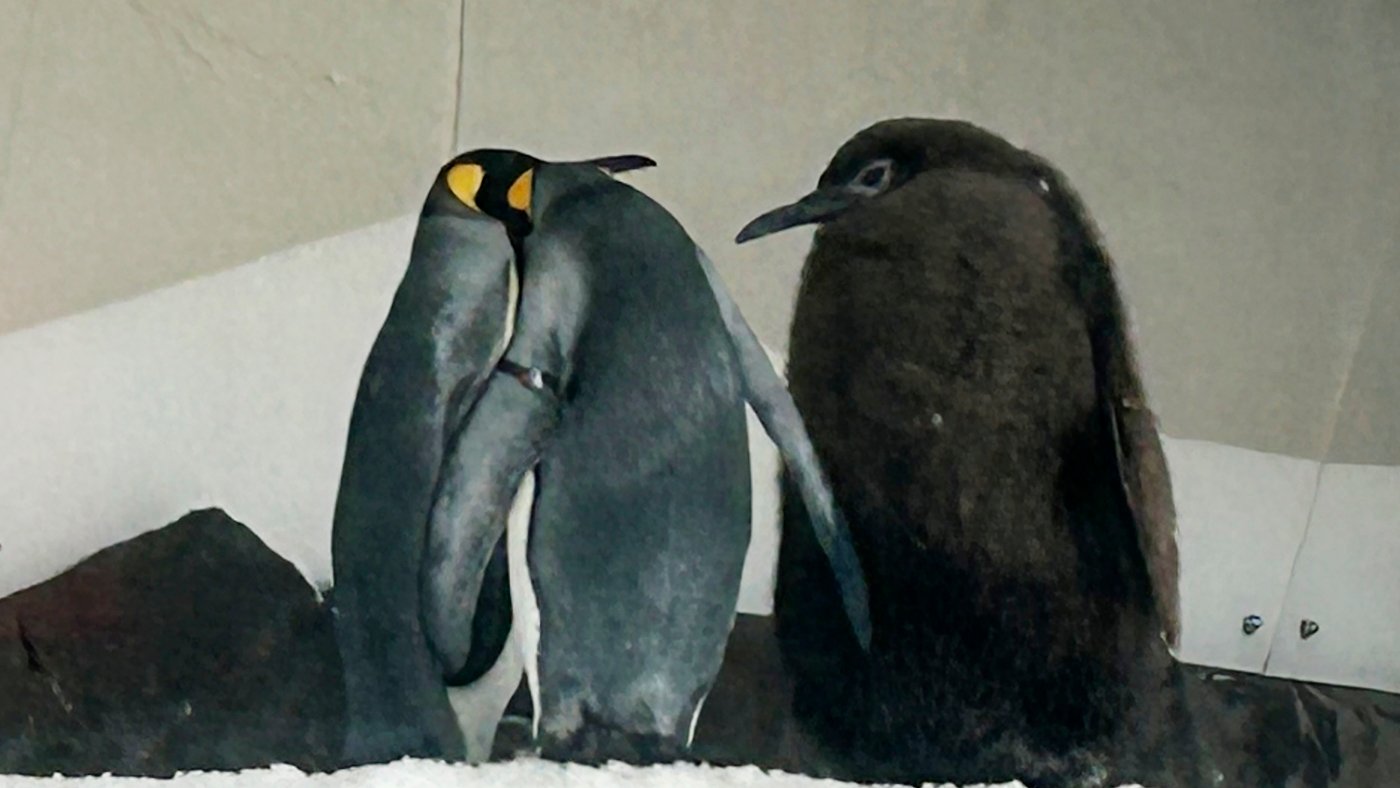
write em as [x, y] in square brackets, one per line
[1269, 731]
[195, 647]
[1246, 730]
[191, 647]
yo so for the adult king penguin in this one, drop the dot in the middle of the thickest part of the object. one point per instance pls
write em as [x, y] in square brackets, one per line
[960, 356]
[549, 438]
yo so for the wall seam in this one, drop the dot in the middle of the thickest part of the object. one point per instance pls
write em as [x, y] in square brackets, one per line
[1329, 437]
[1277, 625]
[457, 83]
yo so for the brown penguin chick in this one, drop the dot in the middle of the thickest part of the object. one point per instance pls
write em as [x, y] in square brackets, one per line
[960, 355]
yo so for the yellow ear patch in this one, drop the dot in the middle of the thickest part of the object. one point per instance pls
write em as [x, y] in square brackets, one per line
[464, 180]
[519, 194]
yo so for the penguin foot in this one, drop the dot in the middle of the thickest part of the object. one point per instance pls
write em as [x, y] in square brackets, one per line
[595, 743]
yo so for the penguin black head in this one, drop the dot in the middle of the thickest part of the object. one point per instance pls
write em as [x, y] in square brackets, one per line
[494, 182]
[500, 184]
[884, 157]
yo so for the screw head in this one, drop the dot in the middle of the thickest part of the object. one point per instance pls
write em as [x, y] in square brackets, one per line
[1251, 624]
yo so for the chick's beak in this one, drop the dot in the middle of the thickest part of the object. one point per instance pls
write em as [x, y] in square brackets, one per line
[819, 206]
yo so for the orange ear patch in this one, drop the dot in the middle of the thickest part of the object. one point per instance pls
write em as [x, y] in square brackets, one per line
[464, 181]
[519, 195]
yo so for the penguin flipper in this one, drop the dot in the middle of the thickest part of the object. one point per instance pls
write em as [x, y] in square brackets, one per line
[776, 410]
[1140, 462]
[497, 440]
[1142, 470]
[486, 461]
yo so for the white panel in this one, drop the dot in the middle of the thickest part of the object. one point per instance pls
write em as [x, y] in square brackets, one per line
[1241, 516]
[1347, 580]
[233, 391]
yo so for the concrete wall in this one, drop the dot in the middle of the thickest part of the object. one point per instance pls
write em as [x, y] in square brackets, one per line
[1237, 156]
[149, 141]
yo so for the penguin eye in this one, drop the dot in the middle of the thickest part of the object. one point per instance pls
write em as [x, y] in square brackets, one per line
[874, 177]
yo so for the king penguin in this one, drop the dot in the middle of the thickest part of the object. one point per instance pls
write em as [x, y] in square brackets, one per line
[547, 469]
[960, 355]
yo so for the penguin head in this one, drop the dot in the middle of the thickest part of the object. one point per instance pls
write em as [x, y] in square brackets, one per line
[885, 157]
[499, 183]
[494, 182]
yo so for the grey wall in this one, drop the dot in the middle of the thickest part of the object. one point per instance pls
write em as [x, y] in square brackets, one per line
[149, 141]
[1368, 422]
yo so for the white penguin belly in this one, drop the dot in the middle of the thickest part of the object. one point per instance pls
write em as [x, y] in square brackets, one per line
[479, 706]
[512, 306]
[525, 623]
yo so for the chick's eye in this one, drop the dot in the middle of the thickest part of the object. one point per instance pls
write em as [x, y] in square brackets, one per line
[873, 176]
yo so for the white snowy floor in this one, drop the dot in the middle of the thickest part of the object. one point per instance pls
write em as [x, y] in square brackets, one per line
[421, 774]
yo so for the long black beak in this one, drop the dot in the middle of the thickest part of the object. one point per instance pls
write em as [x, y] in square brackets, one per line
[819, 206]
[623, 163]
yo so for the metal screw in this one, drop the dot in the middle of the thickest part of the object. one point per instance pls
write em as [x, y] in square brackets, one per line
[1307, 628]
[1252, 624]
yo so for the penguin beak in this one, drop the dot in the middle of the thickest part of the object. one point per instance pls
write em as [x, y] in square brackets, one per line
[623, 163]
[819, 206]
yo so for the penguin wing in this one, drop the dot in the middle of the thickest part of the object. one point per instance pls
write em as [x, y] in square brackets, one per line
[486, 460]
[1142, 467]
[776, 410]
[498, 438]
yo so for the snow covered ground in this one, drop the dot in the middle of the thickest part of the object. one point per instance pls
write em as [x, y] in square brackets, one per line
[408, 773]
